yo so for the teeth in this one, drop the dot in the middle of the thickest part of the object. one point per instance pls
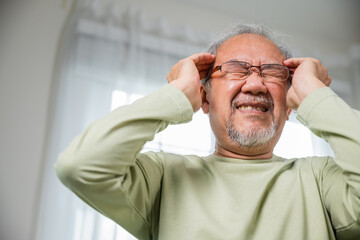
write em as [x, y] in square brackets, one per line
[252, 108]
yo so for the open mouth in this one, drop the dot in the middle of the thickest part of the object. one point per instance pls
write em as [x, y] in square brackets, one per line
[253, 104]
[252, 108]
[261, 107]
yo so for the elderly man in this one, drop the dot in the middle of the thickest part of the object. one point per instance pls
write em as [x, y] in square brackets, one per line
[242, 191]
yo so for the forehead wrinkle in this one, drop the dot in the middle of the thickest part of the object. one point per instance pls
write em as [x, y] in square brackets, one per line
[257, 41]
[250, 61]
[263, 41]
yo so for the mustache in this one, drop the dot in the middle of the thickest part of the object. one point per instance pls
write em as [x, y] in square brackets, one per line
[248, 97]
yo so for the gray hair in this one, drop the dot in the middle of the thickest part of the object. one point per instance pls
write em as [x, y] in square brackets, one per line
[258, 29]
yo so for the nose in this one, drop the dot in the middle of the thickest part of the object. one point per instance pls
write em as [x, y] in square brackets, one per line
[254, 83]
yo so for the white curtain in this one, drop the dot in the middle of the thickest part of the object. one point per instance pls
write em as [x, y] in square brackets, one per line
[105, 46]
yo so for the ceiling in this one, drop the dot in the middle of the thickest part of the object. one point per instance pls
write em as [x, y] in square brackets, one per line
[336, 20]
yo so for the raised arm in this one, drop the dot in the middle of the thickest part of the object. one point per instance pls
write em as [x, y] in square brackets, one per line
[104, 166]
[329, 117]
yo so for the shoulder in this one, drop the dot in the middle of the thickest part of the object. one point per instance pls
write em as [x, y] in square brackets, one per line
[177, 163]
[314, 164]
[172, 159]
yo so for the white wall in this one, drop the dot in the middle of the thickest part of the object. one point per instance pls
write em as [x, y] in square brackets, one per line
[29, 32]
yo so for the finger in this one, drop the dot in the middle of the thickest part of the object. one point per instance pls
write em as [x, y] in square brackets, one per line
[293, 62]
[203, 74]
[203, 67]
[202, 58]
[327, 81]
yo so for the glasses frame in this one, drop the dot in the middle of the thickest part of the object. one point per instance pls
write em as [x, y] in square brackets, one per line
[249, 72]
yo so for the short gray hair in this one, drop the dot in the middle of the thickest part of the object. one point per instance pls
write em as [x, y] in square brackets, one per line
[258, 29]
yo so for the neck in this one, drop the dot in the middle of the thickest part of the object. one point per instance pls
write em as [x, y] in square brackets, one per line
[240, 153]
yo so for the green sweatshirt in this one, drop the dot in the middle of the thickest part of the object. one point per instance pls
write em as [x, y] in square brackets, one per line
[168, 197]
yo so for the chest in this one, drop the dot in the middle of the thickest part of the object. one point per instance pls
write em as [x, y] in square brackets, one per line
[245, 201]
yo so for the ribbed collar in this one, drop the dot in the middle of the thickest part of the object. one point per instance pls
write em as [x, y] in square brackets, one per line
[214, 158]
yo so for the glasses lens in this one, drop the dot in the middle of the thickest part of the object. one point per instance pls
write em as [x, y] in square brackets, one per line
[275, 72]
[239, 68]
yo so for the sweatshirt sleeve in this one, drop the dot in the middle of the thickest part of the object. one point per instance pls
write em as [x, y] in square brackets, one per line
[105, 168]
[329, 117]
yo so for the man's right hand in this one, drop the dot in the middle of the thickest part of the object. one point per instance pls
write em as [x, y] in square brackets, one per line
[187, 73]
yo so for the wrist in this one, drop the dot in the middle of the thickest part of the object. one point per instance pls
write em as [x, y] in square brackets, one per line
[310, 86]
[191, 93]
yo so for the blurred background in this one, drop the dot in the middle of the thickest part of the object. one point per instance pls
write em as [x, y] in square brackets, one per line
[65, 63]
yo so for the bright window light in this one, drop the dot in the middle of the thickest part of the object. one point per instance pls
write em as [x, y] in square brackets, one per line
[295, 141]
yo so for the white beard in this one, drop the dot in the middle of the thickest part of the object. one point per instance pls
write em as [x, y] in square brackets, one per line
[251, 137]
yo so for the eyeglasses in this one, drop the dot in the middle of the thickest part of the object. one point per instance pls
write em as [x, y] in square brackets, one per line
[241, 70]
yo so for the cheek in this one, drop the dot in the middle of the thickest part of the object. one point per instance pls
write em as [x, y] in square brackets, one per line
[279, 98]
[278, 93]
[227, 85]
[221, 96]
[219, 109]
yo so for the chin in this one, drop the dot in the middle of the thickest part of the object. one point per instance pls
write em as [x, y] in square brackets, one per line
[252, 137]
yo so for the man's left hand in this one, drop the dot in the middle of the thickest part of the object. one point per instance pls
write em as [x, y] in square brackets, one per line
[309, 75]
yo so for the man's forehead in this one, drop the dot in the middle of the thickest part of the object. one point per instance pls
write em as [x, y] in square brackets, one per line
[249, 47]
[247, 39]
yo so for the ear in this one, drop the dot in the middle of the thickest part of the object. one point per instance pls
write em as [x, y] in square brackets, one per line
[204, 101]
[288, 111]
